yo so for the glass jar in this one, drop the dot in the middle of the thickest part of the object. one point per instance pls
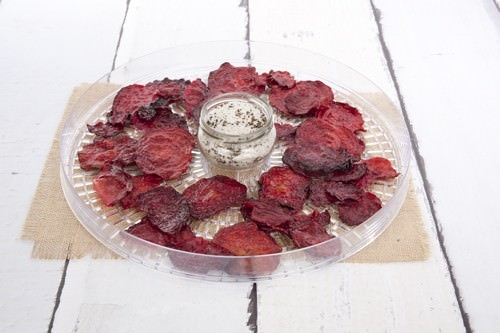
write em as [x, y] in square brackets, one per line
[236, 131]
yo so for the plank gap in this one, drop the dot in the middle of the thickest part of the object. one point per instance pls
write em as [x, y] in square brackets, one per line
[113, 65]
[246, 4]
[252, 309]
[58, 295]
[420, 164]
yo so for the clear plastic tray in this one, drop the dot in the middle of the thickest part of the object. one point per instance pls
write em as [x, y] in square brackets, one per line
[386, 136]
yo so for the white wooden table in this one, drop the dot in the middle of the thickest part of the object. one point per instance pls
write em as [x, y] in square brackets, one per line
[440, 60]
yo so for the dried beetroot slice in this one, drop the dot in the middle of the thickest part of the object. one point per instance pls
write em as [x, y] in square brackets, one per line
[170, 90]
[112, 185]
[301, 100]
[165, 208]
[147, 231]
[322, 192]
[342, 114]
[378, 168]
[105, 130]
[301, 220]
[316, 131]
[311, 234]
[281, 79]
[126, 149]
[97, 154]
[194, 96]
[129, 99]
[285, 132]
[269, 215]
[158, 117]
[228, 78]
[165, 152]
[354, 212]
[140, 184]
[209, 196]
[285, 186]
[245, 239]
[315, 160]
[356, 171]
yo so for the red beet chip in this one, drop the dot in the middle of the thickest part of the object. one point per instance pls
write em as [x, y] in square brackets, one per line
[323, 192]
[317, 192]
[342, 114]
[315, 160]
[140, 184]
[159, 117]
[356, 171]
[304, 98]
[209, 196]
[170, 90]
[112, 185]
[228, 78]
[147, 231]
[280, 78]
[126, 149]
[311, 234]
[378, 168]
[97, 154]
[302, 220]
[285, 132]
[315, 131]
[194, 97]
[165, 207]
[129, 99]
[354, 212]
[269, 215]
[285, 186]
[245, 239]
[105, 130]
[165, 152]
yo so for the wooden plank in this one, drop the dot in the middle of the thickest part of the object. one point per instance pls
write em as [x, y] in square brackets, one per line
[449, 76]
[409, 297]
[116, 296]
[47, 48]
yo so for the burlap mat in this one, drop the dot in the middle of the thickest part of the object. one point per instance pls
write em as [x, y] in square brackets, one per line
[57, 234]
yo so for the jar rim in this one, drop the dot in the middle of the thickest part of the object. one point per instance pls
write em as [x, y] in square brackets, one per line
[236, 96]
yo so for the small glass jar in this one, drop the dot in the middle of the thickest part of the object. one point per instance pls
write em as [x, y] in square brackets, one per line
[236, 131]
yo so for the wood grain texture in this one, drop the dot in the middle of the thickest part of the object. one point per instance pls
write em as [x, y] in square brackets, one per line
[449, 76]
[47, 48]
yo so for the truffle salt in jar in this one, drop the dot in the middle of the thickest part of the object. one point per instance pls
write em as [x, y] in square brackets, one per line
[236, 132]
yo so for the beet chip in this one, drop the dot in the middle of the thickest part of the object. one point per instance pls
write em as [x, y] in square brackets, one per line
[315, 160]
[147, 231]
[356, 171]
[194, 97]
[209, 196]
[378, 168]
[112, 185]
[170, 90]
[129, 99]
[342, 114]
[119, 150]
[158, 117]
[228, 78]
[105, 130]
[316, 131]
[140, 184]
[304, 98]
[323, 192]
[285, 186]
[165, 152]
[354, 212]
[285, 132]
[281, 79]
[269, 215]
[245, 239]
[165, 207]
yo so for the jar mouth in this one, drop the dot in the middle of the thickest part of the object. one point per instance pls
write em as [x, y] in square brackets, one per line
[236, 97]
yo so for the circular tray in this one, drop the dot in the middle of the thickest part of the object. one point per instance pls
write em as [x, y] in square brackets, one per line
[385, 136]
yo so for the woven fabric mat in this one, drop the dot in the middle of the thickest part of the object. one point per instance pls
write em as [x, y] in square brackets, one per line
[57, 234]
